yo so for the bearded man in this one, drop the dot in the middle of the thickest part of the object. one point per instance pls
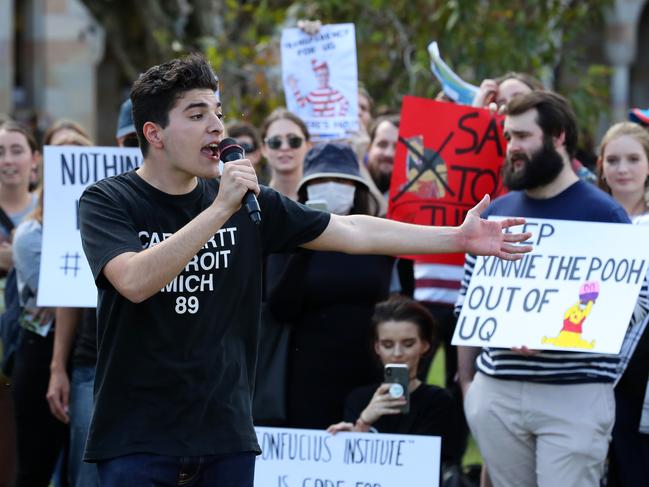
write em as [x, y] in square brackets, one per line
[542, 417]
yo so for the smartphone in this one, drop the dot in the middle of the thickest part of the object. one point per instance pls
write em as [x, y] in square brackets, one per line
[397, 375]
[317, 205]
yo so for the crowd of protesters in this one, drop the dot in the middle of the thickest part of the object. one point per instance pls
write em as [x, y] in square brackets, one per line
[538, 418]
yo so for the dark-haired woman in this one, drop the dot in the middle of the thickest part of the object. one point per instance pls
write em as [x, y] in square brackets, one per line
[402, 333]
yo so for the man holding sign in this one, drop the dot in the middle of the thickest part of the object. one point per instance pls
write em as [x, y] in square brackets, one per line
[543, 418]
[177, 263]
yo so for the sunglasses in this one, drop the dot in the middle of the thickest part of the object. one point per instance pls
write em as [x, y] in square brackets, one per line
[275, 142]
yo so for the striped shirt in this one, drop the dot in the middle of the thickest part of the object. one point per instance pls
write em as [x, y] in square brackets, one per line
[580, 202]
[325, 102]
[437, 283]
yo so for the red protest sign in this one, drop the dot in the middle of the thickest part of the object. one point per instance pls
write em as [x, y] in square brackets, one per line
[448, 157]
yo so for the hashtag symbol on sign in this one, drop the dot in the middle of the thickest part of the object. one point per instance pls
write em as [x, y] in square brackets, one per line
[70, 263]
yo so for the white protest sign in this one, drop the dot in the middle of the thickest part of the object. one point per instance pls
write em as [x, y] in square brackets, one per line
[315, 458]
[575, 291]
[65, 276]
[320, 79]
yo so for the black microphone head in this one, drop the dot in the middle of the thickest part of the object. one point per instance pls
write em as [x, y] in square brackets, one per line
[230, 151]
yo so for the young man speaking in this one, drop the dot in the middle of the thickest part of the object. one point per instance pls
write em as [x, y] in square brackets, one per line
[178, 268]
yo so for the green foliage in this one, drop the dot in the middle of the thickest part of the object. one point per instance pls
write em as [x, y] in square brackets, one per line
[477, 38]
[245, 57]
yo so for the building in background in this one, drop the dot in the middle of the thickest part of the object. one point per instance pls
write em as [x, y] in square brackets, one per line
[53, 64]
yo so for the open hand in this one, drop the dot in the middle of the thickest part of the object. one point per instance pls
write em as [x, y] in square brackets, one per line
[485, 237]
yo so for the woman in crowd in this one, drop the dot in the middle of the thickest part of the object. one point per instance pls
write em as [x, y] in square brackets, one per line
[402, 333]
[40, 437]
[328, 297]
[623, 172]
[65, 132]
[285, 143]
[19, 158]
[70, 397]
[623, 169]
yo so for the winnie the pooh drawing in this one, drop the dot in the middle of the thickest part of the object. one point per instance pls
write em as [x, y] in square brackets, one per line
[574, 317]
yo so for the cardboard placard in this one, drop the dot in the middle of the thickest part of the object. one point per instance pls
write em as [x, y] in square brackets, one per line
[65, 277]
[320, 78]
[315, 458]
[575, 291]
[448, 157]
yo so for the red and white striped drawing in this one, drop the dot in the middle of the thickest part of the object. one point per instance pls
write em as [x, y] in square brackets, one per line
[324, 101]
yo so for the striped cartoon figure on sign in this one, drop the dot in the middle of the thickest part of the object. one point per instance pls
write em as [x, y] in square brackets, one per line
[324, 101]
[574, 317]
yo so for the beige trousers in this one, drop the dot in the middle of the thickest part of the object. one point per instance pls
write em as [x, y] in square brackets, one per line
[541, 434]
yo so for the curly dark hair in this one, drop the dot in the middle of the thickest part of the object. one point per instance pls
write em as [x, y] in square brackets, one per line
[157, 90]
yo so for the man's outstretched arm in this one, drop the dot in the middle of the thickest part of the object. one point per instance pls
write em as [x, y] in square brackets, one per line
[359, 234]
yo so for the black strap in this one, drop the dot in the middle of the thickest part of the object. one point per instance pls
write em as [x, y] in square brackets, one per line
[6, 221]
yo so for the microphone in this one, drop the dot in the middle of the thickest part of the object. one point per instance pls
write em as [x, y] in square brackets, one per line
[231, 151]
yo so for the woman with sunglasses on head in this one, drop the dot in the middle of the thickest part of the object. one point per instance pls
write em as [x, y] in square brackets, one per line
[285, 144]
[623, 172]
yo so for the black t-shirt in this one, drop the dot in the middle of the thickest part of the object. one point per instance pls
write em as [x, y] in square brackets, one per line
[433, 412]
[175, 373]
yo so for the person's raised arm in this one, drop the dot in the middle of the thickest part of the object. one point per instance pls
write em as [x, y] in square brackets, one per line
[139, 275]
[359, 234]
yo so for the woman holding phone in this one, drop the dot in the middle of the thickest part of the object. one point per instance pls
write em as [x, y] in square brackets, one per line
[402, 332]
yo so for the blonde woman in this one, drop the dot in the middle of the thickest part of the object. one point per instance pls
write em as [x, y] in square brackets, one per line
[623, 172]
